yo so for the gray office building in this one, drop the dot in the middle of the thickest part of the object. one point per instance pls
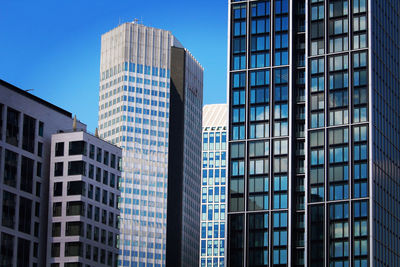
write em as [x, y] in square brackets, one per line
[26, 126]
[313, 88]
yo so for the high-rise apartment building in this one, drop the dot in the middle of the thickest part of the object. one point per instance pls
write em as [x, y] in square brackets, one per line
[83, 194]
[213, 187]
[313, 143]
[151, 91]
[26, 126]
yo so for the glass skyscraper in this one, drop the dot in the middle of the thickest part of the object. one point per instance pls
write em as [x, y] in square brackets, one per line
[213, 189]
[148, 80]
[314, 100]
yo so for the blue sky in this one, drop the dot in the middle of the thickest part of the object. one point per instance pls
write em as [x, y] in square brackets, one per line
[53, 47]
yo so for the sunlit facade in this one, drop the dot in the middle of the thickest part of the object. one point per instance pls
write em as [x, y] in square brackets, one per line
[313, 96]
[213, 189]
[135, 108]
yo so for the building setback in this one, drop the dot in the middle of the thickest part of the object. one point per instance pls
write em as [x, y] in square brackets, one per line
[313, 88]
[84, 192]
[26, 125]
[213, 187]
[148, 80]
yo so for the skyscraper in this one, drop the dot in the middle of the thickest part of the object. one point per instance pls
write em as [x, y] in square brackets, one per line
[313, 104]
[151, 91]
[213, 187]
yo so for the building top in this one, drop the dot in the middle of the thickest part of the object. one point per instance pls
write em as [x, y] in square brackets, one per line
[35, 98]
[215, 115]
[87, 133]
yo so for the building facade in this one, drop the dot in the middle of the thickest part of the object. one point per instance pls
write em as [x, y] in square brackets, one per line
[213, 186]
[313, 171]
[135, 111]
[84, 192]
[26, 126]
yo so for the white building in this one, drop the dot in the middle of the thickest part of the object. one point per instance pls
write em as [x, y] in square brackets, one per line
[135, 108]
[213, 189]
[84, 193]
[26, 125]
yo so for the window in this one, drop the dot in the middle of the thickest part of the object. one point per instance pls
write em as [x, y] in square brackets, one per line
[26, 174]
[279, 238]
[360, 159]
[76, 188]
[77, 167]
[338, 90]
[59, 149]
[281, 102]
[12, 127]
[9, 205]
[91, 151]
[41, 128]
[237, 106]
[339, 233]
[10, 168]
[258, 239]
[57, 207]
[77, 148]
[74, 229]
[58, 168]
[57, 189]
[56, 229]
[25, 214]
[28, 134]
[73, 249]
[338, 164]
[75, 208]
[55, 250]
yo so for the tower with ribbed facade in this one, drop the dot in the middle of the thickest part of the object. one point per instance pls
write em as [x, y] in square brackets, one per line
[147, 80]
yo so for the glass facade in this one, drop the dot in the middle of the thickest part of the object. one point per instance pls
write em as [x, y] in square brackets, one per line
[321, 105]
[213, 190]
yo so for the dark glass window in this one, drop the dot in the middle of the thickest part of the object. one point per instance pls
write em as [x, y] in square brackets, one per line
[91, 171]
[279, 239]
[25, 214]
[41, 128]
[28, 134]
[40, 149]
[75, 208]
[23, 252]
[26, 174]
[57, 189]
[74, 228]
[239, 37]
[57, 209]
[12, 131]
[98, 155]
[105, 177]
[56, 229]
[258, 239]
[316, 236]
[235, 253]
[55, 250]
[238, 99]
[10, 168]
[112, 163]
[9, 204]
[58, 168]
[76, 188]
[73, 249]
[6, 249]
[59, 149]
[77, 167]
[98, 174]
[106, 158]
[77, 148]
[91, 151]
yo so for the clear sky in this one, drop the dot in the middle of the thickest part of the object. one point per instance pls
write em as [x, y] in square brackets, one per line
[53, 47]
